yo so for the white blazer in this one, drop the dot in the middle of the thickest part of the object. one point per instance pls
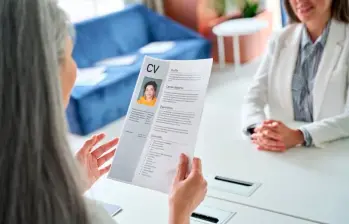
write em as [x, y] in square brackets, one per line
[270, 96]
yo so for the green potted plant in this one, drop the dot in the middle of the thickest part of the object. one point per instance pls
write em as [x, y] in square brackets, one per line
[248, 8]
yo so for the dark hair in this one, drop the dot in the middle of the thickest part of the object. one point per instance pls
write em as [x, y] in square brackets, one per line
[339, 11]
[37, 184]
[151, 83]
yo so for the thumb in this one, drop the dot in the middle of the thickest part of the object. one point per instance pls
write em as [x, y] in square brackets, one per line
[182, 168]
[197, 167]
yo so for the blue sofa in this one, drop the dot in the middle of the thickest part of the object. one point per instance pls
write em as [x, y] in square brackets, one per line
[117, 34]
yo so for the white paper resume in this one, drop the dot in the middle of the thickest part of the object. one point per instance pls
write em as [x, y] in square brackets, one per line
[162, 122]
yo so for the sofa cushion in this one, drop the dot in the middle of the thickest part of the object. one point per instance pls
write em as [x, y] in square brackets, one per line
[109, 36]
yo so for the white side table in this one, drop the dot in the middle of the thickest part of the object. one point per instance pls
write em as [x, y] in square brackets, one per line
[235, 28]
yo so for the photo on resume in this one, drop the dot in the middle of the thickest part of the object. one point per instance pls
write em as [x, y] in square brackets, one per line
[149, 92]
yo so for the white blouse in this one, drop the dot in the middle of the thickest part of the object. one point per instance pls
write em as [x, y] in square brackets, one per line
[98, 214]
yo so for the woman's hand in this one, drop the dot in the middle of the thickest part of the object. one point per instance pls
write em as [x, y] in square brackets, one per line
[266, 137]
[290, 137]
[93, 159]
[188, 191]
[276, 136]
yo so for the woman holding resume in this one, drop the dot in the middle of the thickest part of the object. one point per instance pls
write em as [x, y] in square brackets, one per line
[39, 178]
[303, 77]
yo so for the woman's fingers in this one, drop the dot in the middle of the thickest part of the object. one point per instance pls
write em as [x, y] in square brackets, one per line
[104, 170]
[265, 143]
[104, 148]
[268, 137]
[266, 125]
[88, 144]
[105, 158]
[270, 148]
[182, 168]
[268, 122]
[271, 145]
[100, 137]
[271, 134]
[271, 142]
[87, 147]
[197, 167]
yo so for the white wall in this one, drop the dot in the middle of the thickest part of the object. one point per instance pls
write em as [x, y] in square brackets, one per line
[274, 6]
[83, 9]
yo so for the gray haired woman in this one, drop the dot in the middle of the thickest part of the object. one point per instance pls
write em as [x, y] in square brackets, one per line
[37, 181]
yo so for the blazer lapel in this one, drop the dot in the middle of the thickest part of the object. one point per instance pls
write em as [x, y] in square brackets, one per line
[287, 64]
[328, 62]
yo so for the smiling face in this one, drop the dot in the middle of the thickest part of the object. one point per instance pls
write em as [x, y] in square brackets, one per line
[149, 92]
[311, 10]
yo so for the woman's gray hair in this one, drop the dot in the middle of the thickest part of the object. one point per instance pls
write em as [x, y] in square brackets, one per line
[61, 22]
[37, 184]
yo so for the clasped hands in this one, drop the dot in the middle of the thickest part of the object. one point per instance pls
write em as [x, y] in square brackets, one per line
[275, 136]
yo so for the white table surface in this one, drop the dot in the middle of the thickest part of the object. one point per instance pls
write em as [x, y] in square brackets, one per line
[240, 27]
[308, 183]
[144, 206]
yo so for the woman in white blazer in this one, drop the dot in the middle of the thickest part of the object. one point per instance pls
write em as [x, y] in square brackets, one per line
[303, 77]
[39, 181]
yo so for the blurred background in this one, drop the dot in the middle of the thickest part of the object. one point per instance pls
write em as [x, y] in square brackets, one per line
[113, 36]
[179, 9]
